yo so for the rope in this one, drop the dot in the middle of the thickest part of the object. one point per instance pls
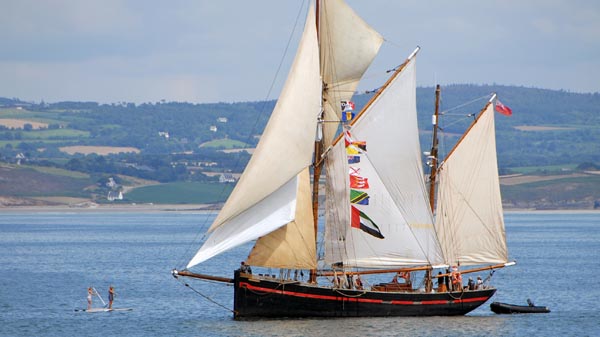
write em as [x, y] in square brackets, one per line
[204, 296]
[462, 293]
[465, 104]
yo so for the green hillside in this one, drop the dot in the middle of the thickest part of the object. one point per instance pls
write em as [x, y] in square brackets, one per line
[182, 144]
[180, 193]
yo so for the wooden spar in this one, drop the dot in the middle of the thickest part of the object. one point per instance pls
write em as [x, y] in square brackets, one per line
[470, 127]
[317, 167]
[474, 270]
[433, 162]
[433, 154]
[376, 271]
[186, 273]
[397, 71]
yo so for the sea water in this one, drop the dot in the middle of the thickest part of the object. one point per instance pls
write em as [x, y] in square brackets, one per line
[48, 260]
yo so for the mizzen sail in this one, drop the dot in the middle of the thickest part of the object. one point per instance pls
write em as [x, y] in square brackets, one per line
[469, 218]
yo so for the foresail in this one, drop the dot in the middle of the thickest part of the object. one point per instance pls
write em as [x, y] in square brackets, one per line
[469, 218]
[284, 150]
[348, 46]
[269, 214]
[293, 245]
[396, 227]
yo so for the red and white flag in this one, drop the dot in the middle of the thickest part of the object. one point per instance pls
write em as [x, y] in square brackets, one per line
[347, 105]
[359, 182]
[503, 109]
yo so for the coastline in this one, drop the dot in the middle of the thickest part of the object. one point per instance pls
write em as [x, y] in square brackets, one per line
[118, 208]
[200, 208]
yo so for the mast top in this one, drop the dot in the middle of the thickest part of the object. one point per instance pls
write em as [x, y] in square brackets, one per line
[414, 52]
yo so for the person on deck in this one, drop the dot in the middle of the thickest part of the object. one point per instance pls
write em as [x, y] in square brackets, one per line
[447, 279]
[441, 283]
[244, 268]
[111, 296]
[471, 284]
[456, 279]
[479, 284]
[358, 285]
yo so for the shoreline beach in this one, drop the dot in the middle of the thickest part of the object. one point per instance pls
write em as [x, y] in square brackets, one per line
[202, 208]
[125, 208]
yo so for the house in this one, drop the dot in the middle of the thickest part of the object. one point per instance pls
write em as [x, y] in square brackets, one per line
[226, 178]
[213, 128]
[222, 119]
[19, 157]
[114, 195]
[111, 183]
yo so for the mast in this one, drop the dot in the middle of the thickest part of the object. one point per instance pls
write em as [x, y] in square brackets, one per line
[432, 161]
[317, 163]
[433, 154]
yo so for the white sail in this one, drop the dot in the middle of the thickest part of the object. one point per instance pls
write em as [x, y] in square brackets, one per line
[348, 46]
[398, 202]
[264, 199]
[469, 218]
[293, 245]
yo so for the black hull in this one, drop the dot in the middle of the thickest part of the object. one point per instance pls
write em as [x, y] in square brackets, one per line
[505, 308]
[259, 297]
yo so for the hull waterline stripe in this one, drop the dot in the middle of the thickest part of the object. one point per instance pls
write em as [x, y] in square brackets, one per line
[365, 300]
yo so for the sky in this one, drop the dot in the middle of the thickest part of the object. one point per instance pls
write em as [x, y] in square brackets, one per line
[204, 51]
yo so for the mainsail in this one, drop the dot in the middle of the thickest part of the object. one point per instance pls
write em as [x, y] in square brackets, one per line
[469, 218]
[398, 202]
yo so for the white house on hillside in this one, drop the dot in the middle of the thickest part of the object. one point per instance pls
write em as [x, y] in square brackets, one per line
[226, 178]
[114, 195]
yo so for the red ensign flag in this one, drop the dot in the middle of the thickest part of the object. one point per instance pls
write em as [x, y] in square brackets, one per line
[503, 109]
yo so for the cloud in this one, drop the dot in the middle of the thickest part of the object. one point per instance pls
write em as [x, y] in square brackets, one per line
[203, 51]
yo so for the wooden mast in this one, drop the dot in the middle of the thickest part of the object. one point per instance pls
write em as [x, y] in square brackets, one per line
[432, 161]
[318, 165]
[433, 154]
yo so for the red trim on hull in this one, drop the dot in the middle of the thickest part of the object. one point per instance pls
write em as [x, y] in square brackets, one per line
[364, 300]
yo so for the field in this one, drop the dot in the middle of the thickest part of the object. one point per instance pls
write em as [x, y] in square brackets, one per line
[549, 168]
[101, 150]
[20, 123]
[29, 185]
[180, 193]
[225, 144]
[569, 191]
[56, 134]
[541, 128]
[25, 181]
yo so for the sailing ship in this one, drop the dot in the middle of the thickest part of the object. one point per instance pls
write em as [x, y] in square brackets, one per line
[379, 218]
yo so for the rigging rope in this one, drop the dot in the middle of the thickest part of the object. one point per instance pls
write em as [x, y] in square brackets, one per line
[204, 296]
[464, 104]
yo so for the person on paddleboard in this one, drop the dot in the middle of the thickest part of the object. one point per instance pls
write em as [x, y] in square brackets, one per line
[111, 296]
[89, 297]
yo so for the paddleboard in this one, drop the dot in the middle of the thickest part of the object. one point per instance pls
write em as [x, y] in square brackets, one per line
[104, 309]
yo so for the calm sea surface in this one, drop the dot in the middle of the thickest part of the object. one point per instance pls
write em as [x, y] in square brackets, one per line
[47, 261]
